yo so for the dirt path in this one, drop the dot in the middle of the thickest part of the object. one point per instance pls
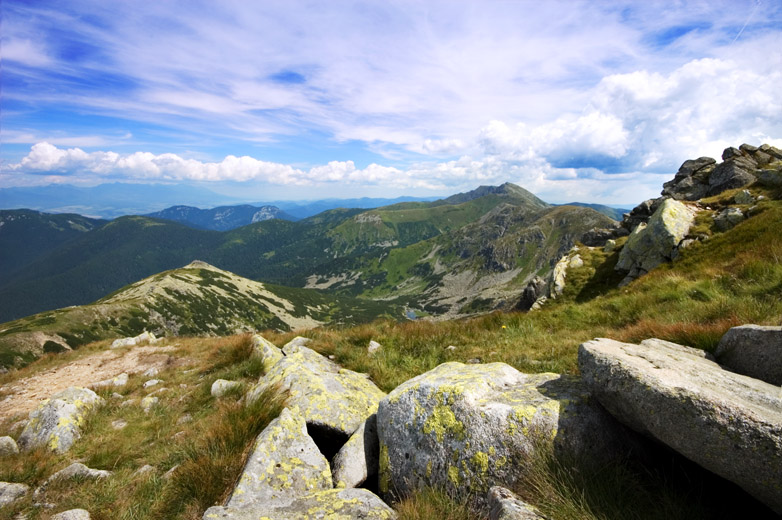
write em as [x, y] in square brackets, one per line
[23, 395]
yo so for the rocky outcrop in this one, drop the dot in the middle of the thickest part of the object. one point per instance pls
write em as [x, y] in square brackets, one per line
[740, 167]
[754, 351]
[728, 423]
[56, 423]
[649, 245]
[463, 428]
[357, 461]
[535, 289]
[641, 214]
[728, 218]
[505, 505]
[287, 477]
[331, 399]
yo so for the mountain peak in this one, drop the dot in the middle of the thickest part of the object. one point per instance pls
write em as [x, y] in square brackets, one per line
[507, 189]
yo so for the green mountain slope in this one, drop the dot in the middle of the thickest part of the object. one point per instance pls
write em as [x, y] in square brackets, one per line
[26, 235]
[275, 251]
[197, 299]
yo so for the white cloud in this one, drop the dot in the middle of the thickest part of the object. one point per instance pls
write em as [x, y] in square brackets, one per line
[24, 51]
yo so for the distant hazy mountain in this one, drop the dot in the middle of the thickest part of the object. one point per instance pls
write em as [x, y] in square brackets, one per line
[109, 200]
[221, 218]
[304, 209]
[608, 211]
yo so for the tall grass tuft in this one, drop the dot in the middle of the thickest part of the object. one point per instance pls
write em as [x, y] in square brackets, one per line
[213, 462]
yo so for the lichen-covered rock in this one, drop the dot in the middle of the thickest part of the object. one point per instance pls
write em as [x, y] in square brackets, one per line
[77, 469]
[357, 460]
[771, 178]
[505, 505]
[11, 492]
[8, 446]
[463, 428]
[120, 380]
[149, 402]
[728, 423]
[327, 395]
[334, 504]
[654, 243]
[753, 350]
[56, 423]
[137, 340]
[373, 347]
[735, 172]
[285, 463]
[72, 514]
[268, 352]
[222, 386]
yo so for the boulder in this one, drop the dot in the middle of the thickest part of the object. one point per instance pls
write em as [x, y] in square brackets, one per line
[152, 382]
[334, 504]
[8, 446]
[72, 514]
[650, 245]
[728, 218]
[736, 172]
[754, 351]
[535, 289]
[285, 463]
[149, 402]
[11, 492]
[120, 380]
[774, 152]
[330, 398]
[770, 178]
[505, 505]
[222, 386]
[56, 423]
[691, 181]
[728, 423]
[374, 347]
[744, 197]
[462, 428]
[75, 470]
[137, 340]
[641, 213]
[267, 351]
[357, 461]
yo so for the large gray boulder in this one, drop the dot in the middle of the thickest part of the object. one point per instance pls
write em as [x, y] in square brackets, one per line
[334, 504]
[329, 397]
[284, 463]
[462, 428]
[728, 423]
[56, 423]
[357, 461]
[652, 244]
[736, 171]
[754, 351]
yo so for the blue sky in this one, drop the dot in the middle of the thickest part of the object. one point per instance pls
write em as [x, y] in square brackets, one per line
[589, 101]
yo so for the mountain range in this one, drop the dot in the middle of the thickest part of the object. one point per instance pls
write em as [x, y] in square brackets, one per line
[464, 254]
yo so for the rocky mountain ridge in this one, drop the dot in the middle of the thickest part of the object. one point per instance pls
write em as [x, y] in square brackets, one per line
[221, 218]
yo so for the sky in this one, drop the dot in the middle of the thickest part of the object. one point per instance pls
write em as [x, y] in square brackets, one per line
[591, 101]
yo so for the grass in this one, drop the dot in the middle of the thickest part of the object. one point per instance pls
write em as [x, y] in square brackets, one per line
[208, 451]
